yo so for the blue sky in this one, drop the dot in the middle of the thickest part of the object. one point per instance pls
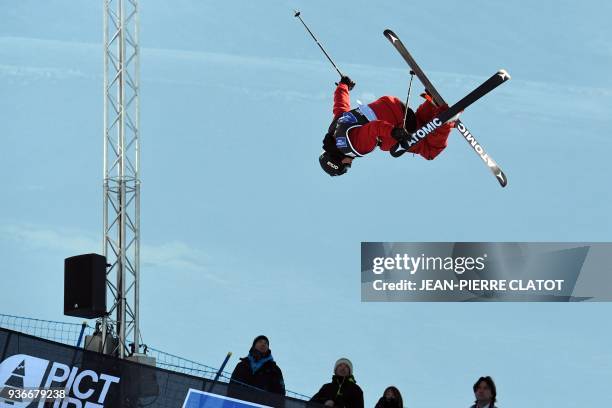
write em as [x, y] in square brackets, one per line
[243, 234]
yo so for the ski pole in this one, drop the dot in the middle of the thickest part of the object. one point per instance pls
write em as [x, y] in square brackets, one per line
[297, 15]
[408, 97]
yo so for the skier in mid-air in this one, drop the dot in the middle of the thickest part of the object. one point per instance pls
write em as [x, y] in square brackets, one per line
[357, 132]
[392, 125]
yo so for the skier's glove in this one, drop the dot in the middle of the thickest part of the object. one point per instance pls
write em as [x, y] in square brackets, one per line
[348, 82]
[400, 134]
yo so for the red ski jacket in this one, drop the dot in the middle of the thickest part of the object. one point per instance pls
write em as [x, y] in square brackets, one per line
[390, 114]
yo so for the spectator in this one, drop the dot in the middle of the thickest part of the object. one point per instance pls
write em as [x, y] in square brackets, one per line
[485, 393]
[391, 399]
[343, 391]
[258, 370]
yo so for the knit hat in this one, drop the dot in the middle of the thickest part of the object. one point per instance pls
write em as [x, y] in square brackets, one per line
[346, 361]
[259, 338]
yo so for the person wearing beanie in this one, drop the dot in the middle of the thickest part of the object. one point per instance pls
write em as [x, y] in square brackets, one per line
[258, 371]
[342, 391]
[391, 398]
[382, 123]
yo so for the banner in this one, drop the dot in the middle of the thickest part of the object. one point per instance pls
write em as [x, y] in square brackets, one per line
[201, 399]
[486, 272]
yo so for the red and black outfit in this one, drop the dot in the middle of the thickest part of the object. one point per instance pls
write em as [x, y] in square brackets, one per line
[357, 132]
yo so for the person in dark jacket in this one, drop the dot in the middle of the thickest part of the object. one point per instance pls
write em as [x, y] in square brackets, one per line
[391, 398]
[257, 371]
[485, 393]
[343, 391]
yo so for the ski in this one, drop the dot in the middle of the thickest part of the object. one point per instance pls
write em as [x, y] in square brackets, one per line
[467, 135]
[493, 82]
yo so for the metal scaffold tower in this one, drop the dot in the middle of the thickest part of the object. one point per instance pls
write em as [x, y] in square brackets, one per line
[121, 171]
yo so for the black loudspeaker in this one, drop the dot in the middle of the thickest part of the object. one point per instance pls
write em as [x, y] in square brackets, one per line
[85, 286]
